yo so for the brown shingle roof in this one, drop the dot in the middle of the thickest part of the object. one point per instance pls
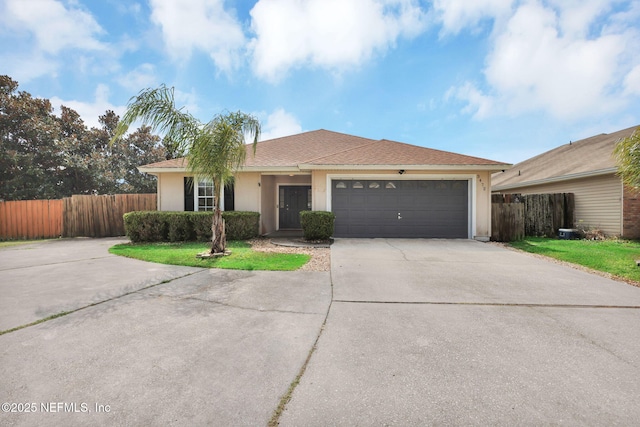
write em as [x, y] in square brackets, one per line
[327, 148]
[588, 156]
[296, 149]
[169, 164]
[385, 152]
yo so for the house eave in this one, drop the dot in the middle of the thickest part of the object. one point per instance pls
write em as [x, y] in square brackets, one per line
[569, 177]
[270, 169]
[495, 168]
[306, 168]
[155, 171]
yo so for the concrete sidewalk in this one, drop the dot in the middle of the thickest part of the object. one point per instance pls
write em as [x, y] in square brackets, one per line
[425, 332]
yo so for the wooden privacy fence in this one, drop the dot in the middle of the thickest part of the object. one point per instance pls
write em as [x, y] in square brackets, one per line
[101, 216]
[507, 222]
[75, 216]
[514, 216]
[30, 219]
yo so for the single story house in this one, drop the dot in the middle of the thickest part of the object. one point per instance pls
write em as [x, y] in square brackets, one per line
[586, 168]
[376, 188]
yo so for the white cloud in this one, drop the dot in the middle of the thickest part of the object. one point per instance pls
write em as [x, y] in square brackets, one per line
[53, 26]
[143, 76]
[331, 34]
[576, 16]
[204, 25]
[632, 81]
[91, 111]
[479, 105]
[567, 61]
[25, 67]
[455, 15]
[280, 123]
[40, 31]
[188, 101]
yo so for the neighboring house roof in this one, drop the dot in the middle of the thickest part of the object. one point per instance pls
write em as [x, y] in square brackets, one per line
[323, 149]
[588, 157]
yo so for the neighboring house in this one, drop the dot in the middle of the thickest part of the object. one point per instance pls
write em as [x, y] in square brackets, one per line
[587, 169]
[376, 188]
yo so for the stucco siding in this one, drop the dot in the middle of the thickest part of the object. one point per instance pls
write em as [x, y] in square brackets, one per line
[247, 191]
[269, 209]
[598, 200]
[171, 192]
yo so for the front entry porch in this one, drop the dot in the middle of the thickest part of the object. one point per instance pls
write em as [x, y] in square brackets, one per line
[282, 198]
[292, 199]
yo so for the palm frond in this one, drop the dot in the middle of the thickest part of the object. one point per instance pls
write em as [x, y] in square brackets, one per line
[627, 154]
[156, 108]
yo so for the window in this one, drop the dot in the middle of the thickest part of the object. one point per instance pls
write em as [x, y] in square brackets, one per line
[341, 184]
[374, 184]
[205, 195]
[390, 185]
[357, 184]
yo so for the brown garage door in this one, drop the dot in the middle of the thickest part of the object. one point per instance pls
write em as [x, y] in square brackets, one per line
[385, 208]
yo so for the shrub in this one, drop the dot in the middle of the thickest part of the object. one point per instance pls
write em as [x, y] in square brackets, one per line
[241, 225]
[202, 225]
[587, 232]
[180, 227]
[155, 226]
[317, 225]
[238, 225]
[145, 226]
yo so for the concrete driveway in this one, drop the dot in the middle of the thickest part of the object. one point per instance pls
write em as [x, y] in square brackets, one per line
[147, 344]
[41, 279]
[437, 332]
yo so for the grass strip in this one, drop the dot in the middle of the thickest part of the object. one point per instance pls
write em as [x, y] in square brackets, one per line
[8, 243]
[37, 322]
[616, 257]
[242, 256]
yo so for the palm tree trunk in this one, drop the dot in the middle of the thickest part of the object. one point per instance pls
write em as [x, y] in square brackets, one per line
[218, 235]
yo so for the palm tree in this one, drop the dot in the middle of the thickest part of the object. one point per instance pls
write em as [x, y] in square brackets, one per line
[627, 154]
[215, 150]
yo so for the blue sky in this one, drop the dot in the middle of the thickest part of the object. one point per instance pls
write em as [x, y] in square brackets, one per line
[500, 79]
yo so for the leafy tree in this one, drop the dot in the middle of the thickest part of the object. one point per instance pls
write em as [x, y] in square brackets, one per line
[118, 165]
[77, 173]
[215, 150]
[29, 166]
[47, 156]
[627, 153]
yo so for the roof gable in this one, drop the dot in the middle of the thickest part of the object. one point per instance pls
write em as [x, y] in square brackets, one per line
[301, 148]
[589, 156]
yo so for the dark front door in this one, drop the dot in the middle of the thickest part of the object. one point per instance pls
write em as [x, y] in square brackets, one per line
[293, 200]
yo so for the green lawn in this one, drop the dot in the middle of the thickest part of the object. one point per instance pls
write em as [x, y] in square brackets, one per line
[242, 256]
[617, 257]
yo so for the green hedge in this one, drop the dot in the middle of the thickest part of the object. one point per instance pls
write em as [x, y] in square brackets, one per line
[155, 226]
[317, 225]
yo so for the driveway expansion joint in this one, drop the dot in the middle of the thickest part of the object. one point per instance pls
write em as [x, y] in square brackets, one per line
[492, 304]
[65, 313]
